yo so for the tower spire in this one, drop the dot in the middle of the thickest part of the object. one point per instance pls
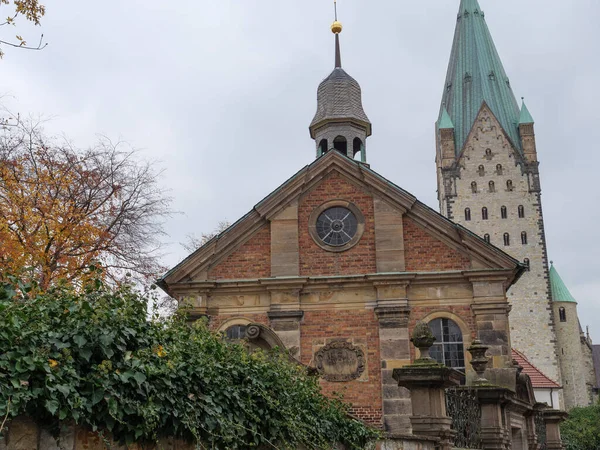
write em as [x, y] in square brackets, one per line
[336, 29]
[340, 122]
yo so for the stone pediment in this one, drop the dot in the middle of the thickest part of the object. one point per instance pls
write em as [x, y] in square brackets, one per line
[255, 231]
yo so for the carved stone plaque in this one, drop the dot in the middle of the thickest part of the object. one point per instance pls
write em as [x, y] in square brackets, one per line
[340, 361]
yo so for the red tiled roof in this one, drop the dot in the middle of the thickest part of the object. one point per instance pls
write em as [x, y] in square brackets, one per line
[538, 379]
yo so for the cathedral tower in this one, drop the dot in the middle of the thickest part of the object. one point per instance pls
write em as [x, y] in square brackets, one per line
[488, 179]
[340, 122]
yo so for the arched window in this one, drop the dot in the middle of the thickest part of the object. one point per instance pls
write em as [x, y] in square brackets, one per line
[484, 213]
[506, 239]
[521, 211]
[236, 332]
[323, 147]
[503, 212]
[474, 187]
[527, 264]
[481, 171]
[488, 153]
[492, 186]
[486, 238]
[448, 348]
[341, 145]
[499, 169]
[467, 214]
[562, 312]
[358, 149]
[509, 185]
[524, 238]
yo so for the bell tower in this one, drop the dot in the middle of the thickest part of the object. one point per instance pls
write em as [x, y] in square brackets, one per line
[488, 178]
[340, 122]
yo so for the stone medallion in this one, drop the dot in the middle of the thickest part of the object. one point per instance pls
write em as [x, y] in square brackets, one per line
[340, 361]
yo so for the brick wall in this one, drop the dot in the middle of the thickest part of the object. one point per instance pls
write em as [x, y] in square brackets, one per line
[316, 261]
[362, 329]
[424, 253]
[251, 260]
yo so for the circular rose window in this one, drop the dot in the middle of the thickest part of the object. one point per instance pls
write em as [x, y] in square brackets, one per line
[337, 225]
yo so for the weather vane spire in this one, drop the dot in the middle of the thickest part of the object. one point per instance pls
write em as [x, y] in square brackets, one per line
[336, 28]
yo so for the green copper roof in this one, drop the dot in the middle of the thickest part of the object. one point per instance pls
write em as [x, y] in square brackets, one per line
[445, 122]
[525, 115]
[560, 293]
[476, 75]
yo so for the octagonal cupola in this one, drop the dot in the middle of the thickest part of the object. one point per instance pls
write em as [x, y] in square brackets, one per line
[340, 122]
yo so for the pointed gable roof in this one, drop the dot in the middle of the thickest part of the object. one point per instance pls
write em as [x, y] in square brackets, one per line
[487, 256]
[559, 290]
[476, 75]
[538, 379]
[525, 117]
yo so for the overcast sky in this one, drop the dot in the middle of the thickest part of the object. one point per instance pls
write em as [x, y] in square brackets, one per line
[222, 93]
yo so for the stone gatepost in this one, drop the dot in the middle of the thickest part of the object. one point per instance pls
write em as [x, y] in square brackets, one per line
[495, 422]
[553, 419]
[427, 381]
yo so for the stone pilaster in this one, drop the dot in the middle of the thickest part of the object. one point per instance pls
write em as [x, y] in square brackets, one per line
[528, 139]
[447, 147]
[285, 259]
[389, 238]
[495, 420]
[285, 316]
[553, 419]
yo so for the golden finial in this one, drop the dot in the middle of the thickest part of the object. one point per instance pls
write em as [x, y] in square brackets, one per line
[336, 27]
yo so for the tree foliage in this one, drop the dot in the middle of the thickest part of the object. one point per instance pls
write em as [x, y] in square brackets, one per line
[91, 356]
[62, 208]
[581, 431]
[30, 10]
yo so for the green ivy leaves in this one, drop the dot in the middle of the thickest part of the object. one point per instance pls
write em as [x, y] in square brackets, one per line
[93, 356]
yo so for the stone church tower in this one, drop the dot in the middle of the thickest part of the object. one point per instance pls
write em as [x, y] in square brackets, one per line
[488, 179]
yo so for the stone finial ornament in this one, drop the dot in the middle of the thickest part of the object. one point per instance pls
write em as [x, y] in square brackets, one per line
[479, 361]
[423, 339]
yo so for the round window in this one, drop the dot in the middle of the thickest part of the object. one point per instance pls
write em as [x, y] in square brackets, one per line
[337, 226]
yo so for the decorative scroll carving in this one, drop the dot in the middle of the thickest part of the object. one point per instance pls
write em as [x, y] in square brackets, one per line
[340, 361]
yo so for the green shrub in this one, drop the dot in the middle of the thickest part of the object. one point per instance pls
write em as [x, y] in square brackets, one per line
[581, 431]
[91, 356]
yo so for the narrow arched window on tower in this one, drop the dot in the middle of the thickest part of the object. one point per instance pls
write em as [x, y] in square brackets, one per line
[488, 153]
[467, 214]
[481, 171]
[492, 186]
[499, 169]
[358, 149]
[323, 146]
[506, 239]
[474, 187]
[486, 238]
[562, 313]
[341, 145]
[521, 212]
[524, 238]
[509, 186]
[527, 264]
[484, 213]
[504, 212]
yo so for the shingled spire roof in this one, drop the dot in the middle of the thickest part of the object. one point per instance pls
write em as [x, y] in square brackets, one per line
[339, 97]
[476, 75]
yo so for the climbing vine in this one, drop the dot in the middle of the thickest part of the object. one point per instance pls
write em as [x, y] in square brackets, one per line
[90, 355]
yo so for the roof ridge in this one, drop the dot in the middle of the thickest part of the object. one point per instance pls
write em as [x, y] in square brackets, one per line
[558, 288]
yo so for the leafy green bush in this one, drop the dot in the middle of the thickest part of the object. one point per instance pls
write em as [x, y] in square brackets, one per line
[91, 356]
[581, 431]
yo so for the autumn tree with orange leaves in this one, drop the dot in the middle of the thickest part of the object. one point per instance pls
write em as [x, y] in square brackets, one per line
[64, 209]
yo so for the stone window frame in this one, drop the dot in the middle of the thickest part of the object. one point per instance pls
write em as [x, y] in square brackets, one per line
[312, 225]
[562, 313]
[484, 213]
[466, 331]
[467, 214]
[506, 239]
[487, 238]
[521, 210]
[504, 212]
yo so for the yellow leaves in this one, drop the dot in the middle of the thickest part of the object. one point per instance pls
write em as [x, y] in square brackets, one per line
[160, 351]
[52, 363]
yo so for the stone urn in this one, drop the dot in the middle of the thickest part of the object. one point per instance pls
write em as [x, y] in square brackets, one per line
[479, 361]
[423, 339]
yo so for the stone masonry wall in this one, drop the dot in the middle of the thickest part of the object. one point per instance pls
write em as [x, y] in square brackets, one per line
[314, 260]
[531, 318]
